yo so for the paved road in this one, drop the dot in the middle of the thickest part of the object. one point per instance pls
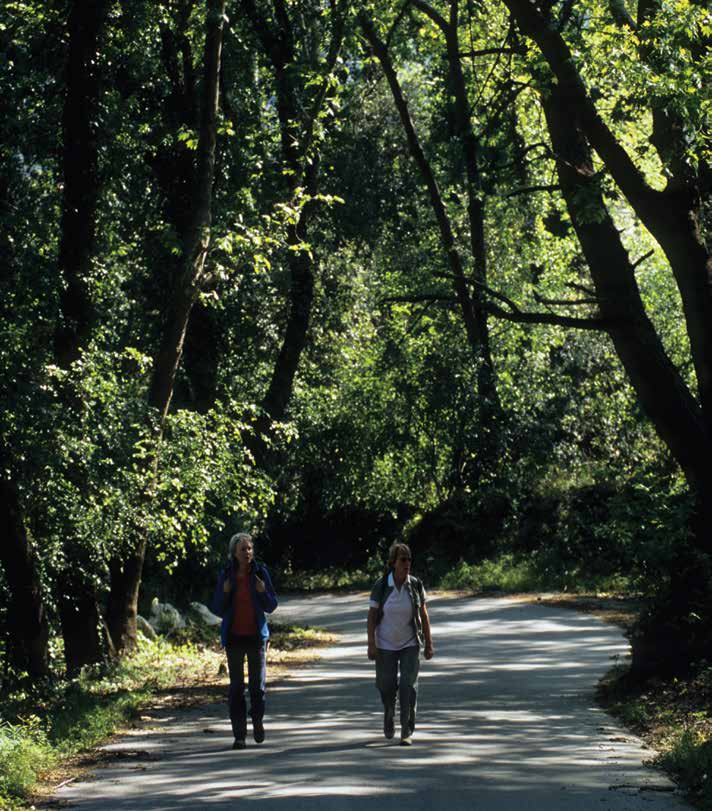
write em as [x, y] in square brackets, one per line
[507, 721]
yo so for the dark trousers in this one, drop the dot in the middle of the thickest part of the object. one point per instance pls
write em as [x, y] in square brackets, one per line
[255, 650]
[397, 673]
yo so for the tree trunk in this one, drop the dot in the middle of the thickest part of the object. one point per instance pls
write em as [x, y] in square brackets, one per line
[122, 608]
[472, 306]
[126, 572]
[80, 178]
[297, 121]
[76, 594]
[675, 632]
[672, 216]
[490, 407]
[668, 402]
[27, 622]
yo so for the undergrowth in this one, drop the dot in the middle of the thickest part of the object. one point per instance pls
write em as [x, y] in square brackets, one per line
[511, 573]
[42, 729]
[674, 717]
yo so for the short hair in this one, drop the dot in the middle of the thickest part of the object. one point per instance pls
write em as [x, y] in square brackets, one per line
[235, 540]
[396, 549]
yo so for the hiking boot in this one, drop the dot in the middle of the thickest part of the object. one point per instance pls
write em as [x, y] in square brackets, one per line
[239, 743]
[258, 730]
[389, 724]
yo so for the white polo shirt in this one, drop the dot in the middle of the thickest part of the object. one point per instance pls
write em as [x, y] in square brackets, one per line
[396, 630]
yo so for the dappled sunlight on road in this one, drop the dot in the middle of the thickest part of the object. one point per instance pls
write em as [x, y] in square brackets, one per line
[506, 719]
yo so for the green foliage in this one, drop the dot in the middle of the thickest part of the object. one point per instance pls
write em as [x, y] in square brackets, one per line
[25, 752]
[384, 435]
[690, 761]
[539, 572]
[503, 574]
[70, 717]
[41, 729]
[674, 716]
[333, 579]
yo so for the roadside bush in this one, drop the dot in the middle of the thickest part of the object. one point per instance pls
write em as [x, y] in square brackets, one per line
[690, 762]
[332, 578]
[504, 573]
[24, 753]
[544, 571]
[78, 714]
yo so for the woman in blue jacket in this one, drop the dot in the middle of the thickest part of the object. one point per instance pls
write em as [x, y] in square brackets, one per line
[243, 595]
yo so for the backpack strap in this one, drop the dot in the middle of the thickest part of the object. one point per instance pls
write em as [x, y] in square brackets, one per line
[383, 585]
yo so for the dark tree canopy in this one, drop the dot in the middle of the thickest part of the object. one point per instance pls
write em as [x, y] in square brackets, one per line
[345, 273]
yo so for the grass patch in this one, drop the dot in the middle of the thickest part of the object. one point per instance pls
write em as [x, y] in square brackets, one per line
[689, 760]
[332, 579]
[674, 717]
[23, 747]
[44, 733]
[511, 573]
[285, 637]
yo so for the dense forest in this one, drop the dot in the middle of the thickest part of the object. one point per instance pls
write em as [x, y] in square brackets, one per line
[340, 273]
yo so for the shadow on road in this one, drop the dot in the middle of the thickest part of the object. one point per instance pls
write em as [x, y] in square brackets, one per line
[506, 720]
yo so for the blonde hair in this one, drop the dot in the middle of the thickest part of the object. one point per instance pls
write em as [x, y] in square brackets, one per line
[235, 540]
[396, 549]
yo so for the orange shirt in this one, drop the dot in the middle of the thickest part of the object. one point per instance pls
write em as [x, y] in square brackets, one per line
[243, 616]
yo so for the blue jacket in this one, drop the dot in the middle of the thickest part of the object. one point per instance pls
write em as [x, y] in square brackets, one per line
[264, 603]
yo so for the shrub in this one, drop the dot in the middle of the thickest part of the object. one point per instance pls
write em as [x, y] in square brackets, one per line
[504, 573]
[690, 761]
[24, 753]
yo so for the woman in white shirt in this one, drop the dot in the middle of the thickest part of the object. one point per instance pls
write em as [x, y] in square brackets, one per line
[398, 628]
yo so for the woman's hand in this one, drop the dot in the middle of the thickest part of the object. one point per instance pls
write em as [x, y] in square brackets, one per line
[371, 650]
[260, 585]
[227, 585]
[429, 649]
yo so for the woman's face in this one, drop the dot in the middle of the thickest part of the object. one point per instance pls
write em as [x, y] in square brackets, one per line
[244, 552]
[401, 566]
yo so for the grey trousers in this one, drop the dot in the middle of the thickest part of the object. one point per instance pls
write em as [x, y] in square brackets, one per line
[388, 664]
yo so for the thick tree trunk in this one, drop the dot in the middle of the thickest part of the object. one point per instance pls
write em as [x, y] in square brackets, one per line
[301, 297]
[81, 624]
[76, 594]
[126, 572]
[670, 405]
[122, 607]
[201, 356]
[675, 632]
[76, 247]
[27, 622]
[672, 216]
[80, 177]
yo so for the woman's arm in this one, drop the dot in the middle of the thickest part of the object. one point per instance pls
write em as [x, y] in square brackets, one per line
[425, 619]
[265, 590]
[221, 595]
[371, 629]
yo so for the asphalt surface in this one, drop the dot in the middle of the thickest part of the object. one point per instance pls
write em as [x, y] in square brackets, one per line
[506, 721]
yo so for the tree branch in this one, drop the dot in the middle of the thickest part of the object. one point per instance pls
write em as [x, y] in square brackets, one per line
[434, 15]
[642, 259]
[563, 64]
[489, 52]
[599, 324]
[554, 302]
[419, 299]
[532, 189]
